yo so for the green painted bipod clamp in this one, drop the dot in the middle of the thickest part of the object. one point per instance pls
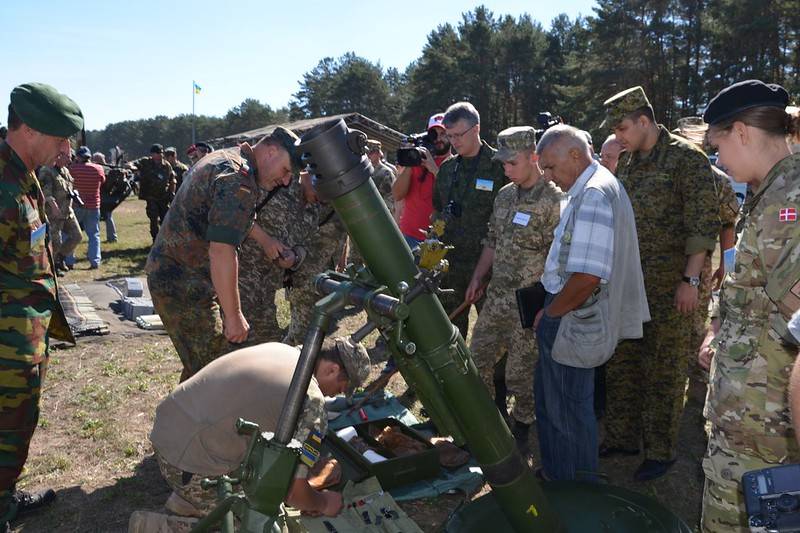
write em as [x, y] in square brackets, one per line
[342, 176]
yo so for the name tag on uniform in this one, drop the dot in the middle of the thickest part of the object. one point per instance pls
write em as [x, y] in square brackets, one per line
[521, 219]
[37, 237]
[484, 185]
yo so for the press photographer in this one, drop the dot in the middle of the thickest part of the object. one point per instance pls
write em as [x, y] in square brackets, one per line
[418, 165]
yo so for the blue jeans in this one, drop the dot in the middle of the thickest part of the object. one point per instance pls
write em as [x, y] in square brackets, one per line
[411, 241]
[564, 404]
[111, 228]
[89, 219]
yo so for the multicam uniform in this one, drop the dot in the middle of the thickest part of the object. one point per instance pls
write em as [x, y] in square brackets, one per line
[520, 232]
[324, 250]
[287, 218]
[384, 177]
[747, 403]
[157, 188]
[30, 313]
[179, 169]
[463, 195]
[217, 205]
[194, 433]
[673, 199]
[57, 184]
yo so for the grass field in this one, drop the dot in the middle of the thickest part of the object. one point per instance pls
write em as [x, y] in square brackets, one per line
[99, 399]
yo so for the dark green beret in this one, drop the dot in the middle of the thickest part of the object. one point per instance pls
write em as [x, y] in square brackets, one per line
[734, 99]
[46, 110]
[288, 140]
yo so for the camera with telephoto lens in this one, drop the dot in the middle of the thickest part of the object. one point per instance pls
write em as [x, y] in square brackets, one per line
[772, 499]
[545, 121]
[412, 156]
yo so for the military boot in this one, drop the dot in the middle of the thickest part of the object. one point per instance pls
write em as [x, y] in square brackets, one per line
[521, 433]
[30, 501]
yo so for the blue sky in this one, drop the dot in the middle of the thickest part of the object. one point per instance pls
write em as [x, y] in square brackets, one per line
[124, 61]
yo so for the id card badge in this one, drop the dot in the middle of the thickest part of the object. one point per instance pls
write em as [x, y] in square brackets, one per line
[37, 237]
[484, 185]
[521, 219]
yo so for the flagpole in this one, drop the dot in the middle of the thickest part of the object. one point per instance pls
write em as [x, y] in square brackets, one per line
[193, 92]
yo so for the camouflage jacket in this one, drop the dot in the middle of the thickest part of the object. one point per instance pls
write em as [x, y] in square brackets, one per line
[287, 218]
[179, 169]
[728, 204]
[156, 180]
[217, 204]
[29, 306]
[463, 196]
[673, 198]
[754, 356]
[384, 177]
[520, 231]
[57, 184]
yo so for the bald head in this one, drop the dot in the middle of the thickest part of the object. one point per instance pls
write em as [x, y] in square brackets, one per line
[609, 153]
[563, 155]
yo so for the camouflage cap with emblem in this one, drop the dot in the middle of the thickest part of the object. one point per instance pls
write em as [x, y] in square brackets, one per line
[623, 104]
[355, 360]
[373, 145]
[288, 140]
[513, 140]
[46, 110]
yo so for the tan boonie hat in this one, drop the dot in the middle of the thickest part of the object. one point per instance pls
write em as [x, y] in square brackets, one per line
[355, 360]
[623, 104]
[373, 145]
[511, 141]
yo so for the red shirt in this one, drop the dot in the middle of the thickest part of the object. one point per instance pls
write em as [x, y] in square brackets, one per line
[88, 178]
[418, 203]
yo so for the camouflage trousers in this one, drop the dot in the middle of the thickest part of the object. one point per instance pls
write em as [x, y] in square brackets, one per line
[496, 333]
[20, 390]
[699, 326]
[458, 281]
[191, 316]
[65, 235]
[646, 381]
[156, 211]
[187, 485]
[728, 457]
[257, 293]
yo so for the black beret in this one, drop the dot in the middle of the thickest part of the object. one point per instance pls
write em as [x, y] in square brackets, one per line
[156, 149]
[205, 146]
[744, 95]
[46, 110]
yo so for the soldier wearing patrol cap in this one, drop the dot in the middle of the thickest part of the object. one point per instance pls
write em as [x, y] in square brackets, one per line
[382, 175]
[526, 211]
[750, 347]
[194, 433]
[192, 269]
[670, 185]
[171, 155]
[40, 120]
[157, 185]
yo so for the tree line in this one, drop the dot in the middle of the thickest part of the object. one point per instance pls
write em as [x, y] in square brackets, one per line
[681, 51]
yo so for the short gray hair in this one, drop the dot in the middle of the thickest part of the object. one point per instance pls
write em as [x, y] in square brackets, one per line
[574, 138]
[461, 111]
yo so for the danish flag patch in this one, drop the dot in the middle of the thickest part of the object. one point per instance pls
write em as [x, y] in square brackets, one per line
[787, 214]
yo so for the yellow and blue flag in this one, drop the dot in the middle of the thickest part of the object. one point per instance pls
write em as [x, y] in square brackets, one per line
[197, 88]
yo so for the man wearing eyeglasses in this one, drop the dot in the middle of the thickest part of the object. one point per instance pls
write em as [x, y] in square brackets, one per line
[463, 196]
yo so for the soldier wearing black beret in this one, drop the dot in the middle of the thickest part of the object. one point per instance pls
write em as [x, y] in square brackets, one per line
[40, 121]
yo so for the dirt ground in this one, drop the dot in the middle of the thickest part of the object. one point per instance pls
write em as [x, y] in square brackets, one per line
[100, 396]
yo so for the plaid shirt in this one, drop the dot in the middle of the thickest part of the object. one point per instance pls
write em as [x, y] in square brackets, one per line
[592, 246]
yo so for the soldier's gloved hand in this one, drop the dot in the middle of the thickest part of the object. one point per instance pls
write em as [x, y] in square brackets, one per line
[236, 328]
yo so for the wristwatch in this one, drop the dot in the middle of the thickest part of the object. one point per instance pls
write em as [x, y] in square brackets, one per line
[694, 281]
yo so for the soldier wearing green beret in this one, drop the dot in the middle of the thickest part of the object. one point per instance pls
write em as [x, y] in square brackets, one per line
[670, 185]
[192, 269]
[525, 214]
[40, 120]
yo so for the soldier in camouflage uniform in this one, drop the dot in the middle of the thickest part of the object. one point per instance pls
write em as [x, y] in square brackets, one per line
[192, 266]
[65, 233]
[670, 185]
[382, 175]
[284, 216]
[325, 250]
[40, 122]
[194, 432]
[753, 353]
[156, 186]
[525, 214]
[463, 196]
[171, 155]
